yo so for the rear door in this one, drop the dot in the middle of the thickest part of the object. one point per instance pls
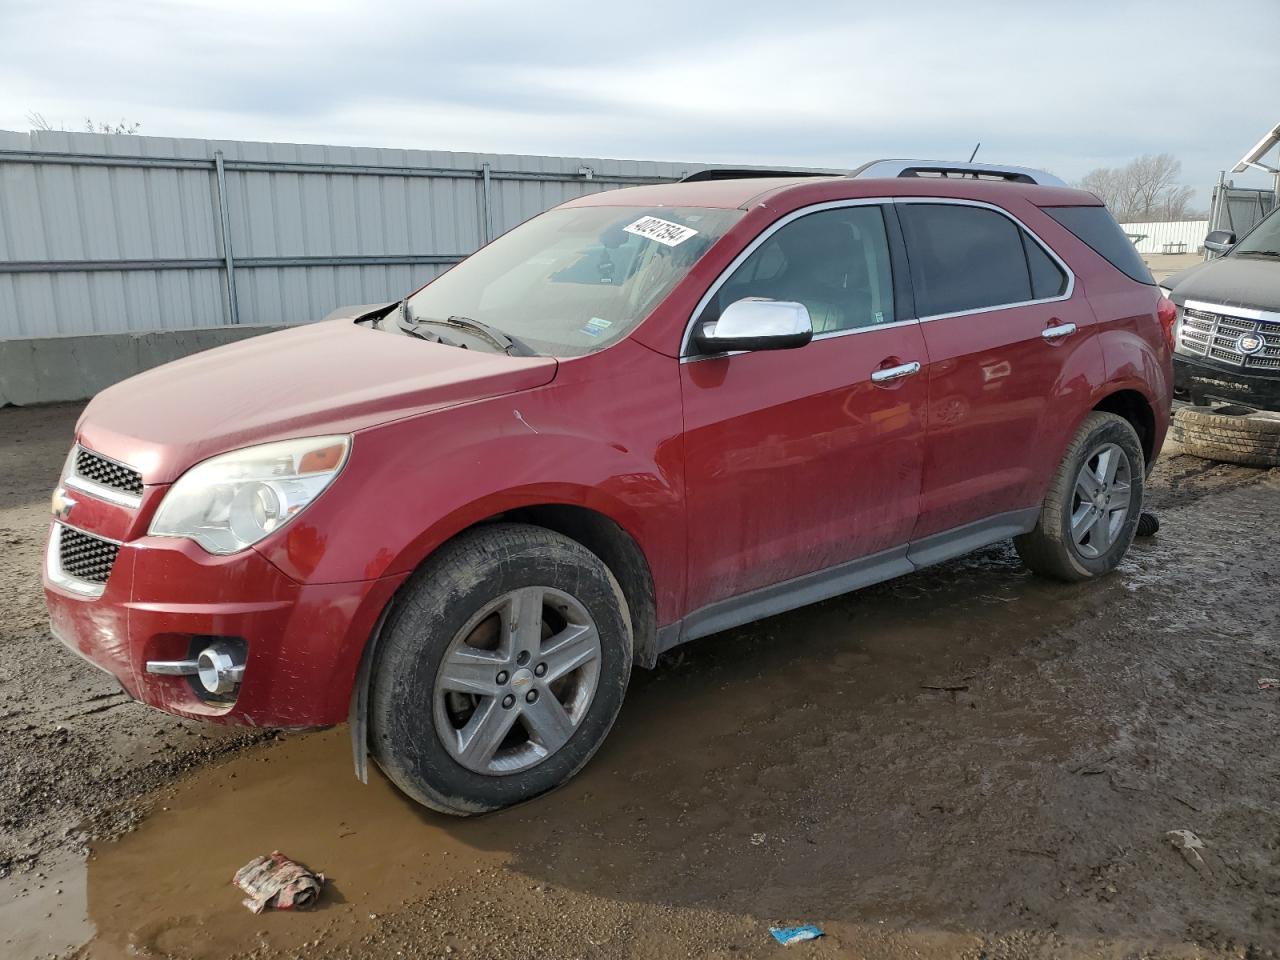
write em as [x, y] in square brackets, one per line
[800, 460]
[1006, 335]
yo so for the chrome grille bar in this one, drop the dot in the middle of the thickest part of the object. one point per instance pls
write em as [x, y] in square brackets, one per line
[1213, 331]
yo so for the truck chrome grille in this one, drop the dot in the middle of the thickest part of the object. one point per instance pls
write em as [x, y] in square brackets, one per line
[84, 556]
[98, 469]
[1213, 335]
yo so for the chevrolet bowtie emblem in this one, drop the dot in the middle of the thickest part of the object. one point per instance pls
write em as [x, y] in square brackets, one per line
[62, 504]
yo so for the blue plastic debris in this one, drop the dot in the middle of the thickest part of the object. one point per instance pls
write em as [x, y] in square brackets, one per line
[789, 935]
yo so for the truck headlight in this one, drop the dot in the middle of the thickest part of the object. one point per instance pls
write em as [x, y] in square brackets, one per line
[232, 501]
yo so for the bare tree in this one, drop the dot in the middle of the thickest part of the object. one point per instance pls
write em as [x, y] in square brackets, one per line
[124, 126]
[39, 121]
[1105, 183]
[1177, 204]
[1152, 179]
[1146, 188]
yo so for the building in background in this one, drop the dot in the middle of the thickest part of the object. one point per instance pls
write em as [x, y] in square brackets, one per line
[1173, 236]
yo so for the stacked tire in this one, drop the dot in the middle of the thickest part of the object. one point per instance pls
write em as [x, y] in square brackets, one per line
[1229, 433]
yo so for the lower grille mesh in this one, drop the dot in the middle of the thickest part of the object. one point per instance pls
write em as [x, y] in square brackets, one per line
[85, 557]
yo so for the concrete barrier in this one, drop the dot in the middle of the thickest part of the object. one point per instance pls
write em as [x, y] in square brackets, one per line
[53, 369]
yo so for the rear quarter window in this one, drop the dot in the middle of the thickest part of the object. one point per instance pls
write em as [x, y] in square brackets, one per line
[1099, 230]
[1047, 279]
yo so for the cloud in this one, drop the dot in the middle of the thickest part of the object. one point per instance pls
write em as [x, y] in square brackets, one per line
[1064, 86]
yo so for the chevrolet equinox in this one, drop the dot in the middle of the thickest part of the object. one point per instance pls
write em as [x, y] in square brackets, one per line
[642, 417]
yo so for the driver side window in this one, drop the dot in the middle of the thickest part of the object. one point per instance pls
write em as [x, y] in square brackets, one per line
[835, 262]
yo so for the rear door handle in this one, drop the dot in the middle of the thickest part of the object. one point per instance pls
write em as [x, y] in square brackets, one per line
[1058, 331]
[895, 373]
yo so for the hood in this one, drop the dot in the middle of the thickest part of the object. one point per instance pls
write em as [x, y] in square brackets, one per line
[329, 377]
[1230, 281]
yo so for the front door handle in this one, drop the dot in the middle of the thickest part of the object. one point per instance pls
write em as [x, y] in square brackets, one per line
[895, 373]
[1058, 331]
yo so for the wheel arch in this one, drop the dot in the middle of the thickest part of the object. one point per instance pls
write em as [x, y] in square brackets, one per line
[1134, 407]
[621, 553]
[596, 531]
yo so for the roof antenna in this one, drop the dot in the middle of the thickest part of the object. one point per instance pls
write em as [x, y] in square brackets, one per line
[975, 152]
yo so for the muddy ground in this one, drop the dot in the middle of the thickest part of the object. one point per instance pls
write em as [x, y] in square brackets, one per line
[1164, 265]
[968, 762]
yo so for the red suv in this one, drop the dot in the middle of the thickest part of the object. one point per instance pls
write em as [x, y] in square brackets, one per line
[642, 417]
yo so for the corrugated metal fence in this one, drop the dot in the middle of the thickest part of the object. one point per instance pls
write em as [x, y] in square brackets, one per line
[1174, 236]
[102, 233]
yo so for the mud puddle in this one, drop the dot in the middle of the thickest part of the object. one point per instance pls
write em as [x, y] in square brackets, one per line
[45, 912]
[734, 783]
[165, 890]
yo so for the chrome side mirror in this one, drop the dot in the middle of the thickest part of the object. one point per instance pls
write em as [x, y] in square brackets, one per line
[1220, 241]
[756, 324]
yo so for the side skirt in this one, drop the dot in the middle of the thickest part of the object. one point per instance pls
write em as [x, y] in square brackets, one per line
[846, 577]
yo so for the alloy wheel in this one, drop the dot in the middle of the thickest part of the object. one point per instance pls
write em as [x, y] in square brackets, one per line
[517, 681]
[1101, 500]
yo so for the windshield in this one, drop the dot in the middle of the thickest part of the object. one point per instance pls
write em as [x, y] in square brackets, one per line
[1264, 240]
[574, 280]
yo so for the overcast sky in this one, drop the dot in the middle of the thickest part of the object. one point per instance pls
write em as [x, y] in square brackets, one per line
[1067, 85]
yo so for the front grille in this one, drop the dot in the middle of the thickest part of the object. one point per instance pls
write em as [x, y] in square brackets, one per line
[84, 556]
[1210, 334]
[90, 466]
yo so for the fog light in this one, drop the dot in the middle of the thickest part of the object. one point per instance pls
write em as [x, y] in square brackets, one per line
[218, 669]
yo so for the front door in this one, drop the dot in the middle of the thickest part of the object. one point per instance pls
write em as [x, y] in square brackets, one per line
[797, 461]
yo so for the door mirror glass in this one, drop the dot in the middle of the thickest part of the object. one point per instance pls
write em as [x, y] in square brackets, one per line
[1220, 241]
[755, 323]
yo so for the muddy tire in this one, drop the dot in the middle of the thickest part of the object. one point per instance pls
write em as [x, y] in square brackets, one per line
[1229, 433]
[500, 670]
[1090, 514]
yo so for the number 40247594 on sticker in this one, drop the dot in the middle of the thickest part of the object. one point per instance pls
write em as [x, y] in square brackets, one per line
[663, 231]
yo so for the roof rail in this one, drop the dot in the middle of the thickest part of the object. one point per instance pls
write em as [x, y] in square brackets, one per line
[949, 168]
[746, 173]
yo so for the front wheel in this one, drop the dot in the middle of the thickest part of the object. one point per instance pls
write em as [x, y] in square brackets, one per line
[1091, 511]
[500, 670]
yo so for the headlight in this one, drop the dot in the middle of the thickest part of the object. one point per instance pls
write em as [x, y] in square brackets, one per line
[234, 500]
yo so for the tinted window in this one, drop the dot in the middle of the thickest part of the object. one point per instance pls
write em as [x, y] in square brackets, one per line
[963, 258]
[835, 262]
[1047, 278]
[1096, 227]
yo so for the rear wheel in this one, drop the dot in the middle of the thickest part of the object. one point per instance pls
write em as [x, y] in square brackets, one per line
[500, 671]
[1091, 512]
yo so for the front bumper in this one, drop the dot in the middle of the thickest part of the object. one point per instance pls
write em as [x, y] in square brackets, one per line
[1199, 381]
[163, 597]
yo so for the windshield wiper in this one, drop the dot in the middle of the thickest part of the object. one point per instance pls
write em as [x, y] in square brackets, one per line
[411, 327]
[508, 344]
[1259, 253]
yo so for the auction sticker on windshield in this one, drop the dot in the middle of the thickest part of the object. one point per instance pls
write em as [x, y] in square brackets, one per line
[663, 231]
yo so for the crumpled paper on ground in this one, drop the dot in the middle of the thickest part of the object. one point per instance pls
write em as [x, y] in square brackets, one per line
[278, 882]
